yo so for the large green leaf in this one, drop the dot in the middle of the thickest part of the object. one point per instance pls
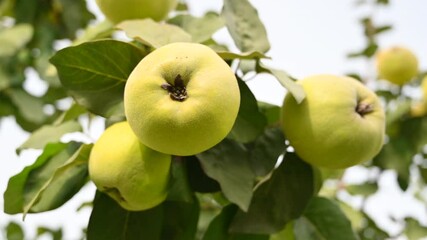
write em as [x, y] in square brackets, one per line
[229, 164]
[279, 199]
[201, 29]
[154, 34]
[246, 55]
[250, 122]
[46, 190]
[14, 194]
[245, 26]
[266, 150]
[179, 189]
[323, 219]
[219, 227]
[95, 73]
[57, 174]
[14, 38]
[170, 220]
[49, 134]
[197, 178]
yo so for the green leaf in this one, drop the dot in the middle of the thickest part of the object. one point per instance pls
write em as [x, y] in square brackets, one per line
[245, 26]
[95, 79]
[170, 220]
[201, 29]
[266, 150]
[286, 234]
[364, 189]
[179, 189]
[47, 189]
[49, 134]
[14, 231]
[29, 107]
[279, 199]
[109, 221]
[368, 52]
[55, 234]
[250, 122]
[154, 34]
[75, 14]
[197, 178]
[219, 227]
[285, 80]
[71, 114]
[229, 164]
[95, 32]
[14, 194]
[414, 230]
[14, 38]
[271, 112]
[245, 55]
[323, 219]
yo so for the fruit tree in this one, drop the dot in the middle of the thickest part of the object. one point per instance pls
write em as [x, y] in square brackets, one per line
[186, 149]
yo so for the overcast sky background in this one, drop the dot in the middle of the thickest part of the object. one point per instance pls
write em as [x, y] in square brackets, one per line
[307, 37]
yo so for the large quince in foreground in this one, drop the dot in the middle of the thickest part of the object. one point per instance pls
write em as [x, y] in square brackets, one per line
[133, 175]
[339, 124]
[182, 99]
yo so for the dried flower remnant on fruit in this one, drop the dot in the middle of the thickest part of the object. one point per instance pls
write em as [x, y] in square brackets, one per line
[362, 109]
[177, 91]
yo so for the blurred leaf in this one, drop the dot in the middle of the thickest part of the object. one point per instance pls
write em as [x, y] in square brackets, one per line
[201, 29]
[364, 189]
[75, 14]
[250, 122]
[29, 107]
[219, 227]
[95, 79]
[383, 29]
[400, 111]
[171, 220]
[414, 230]
[71, 114]
[198, 180]
[154, 34]
[368, 52]
[370, 230]
[355, 216]
[14, 38]
[179, 189]
[279, 199]
[14, 194]
[100, 30]
[287, 233]
[245, 26]
[229, 164]
[49, 134]
[51, 185]
[266, 150]
[245, 55]
[14, 231]
[407, 138]
[55, 234]
[323, 219]
[272, 112]
[285, 80]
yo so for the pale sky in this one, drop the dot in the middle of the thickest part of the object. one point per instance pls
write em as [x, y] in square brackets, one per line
[307, 37]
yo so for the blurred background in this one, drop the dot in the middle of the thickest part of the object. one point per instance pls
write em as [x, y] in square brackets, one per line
[307, 37]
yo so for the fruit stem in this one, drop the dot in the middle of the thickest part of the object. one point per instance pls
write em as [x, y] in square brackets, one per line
[177, 91]
[362, 109]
